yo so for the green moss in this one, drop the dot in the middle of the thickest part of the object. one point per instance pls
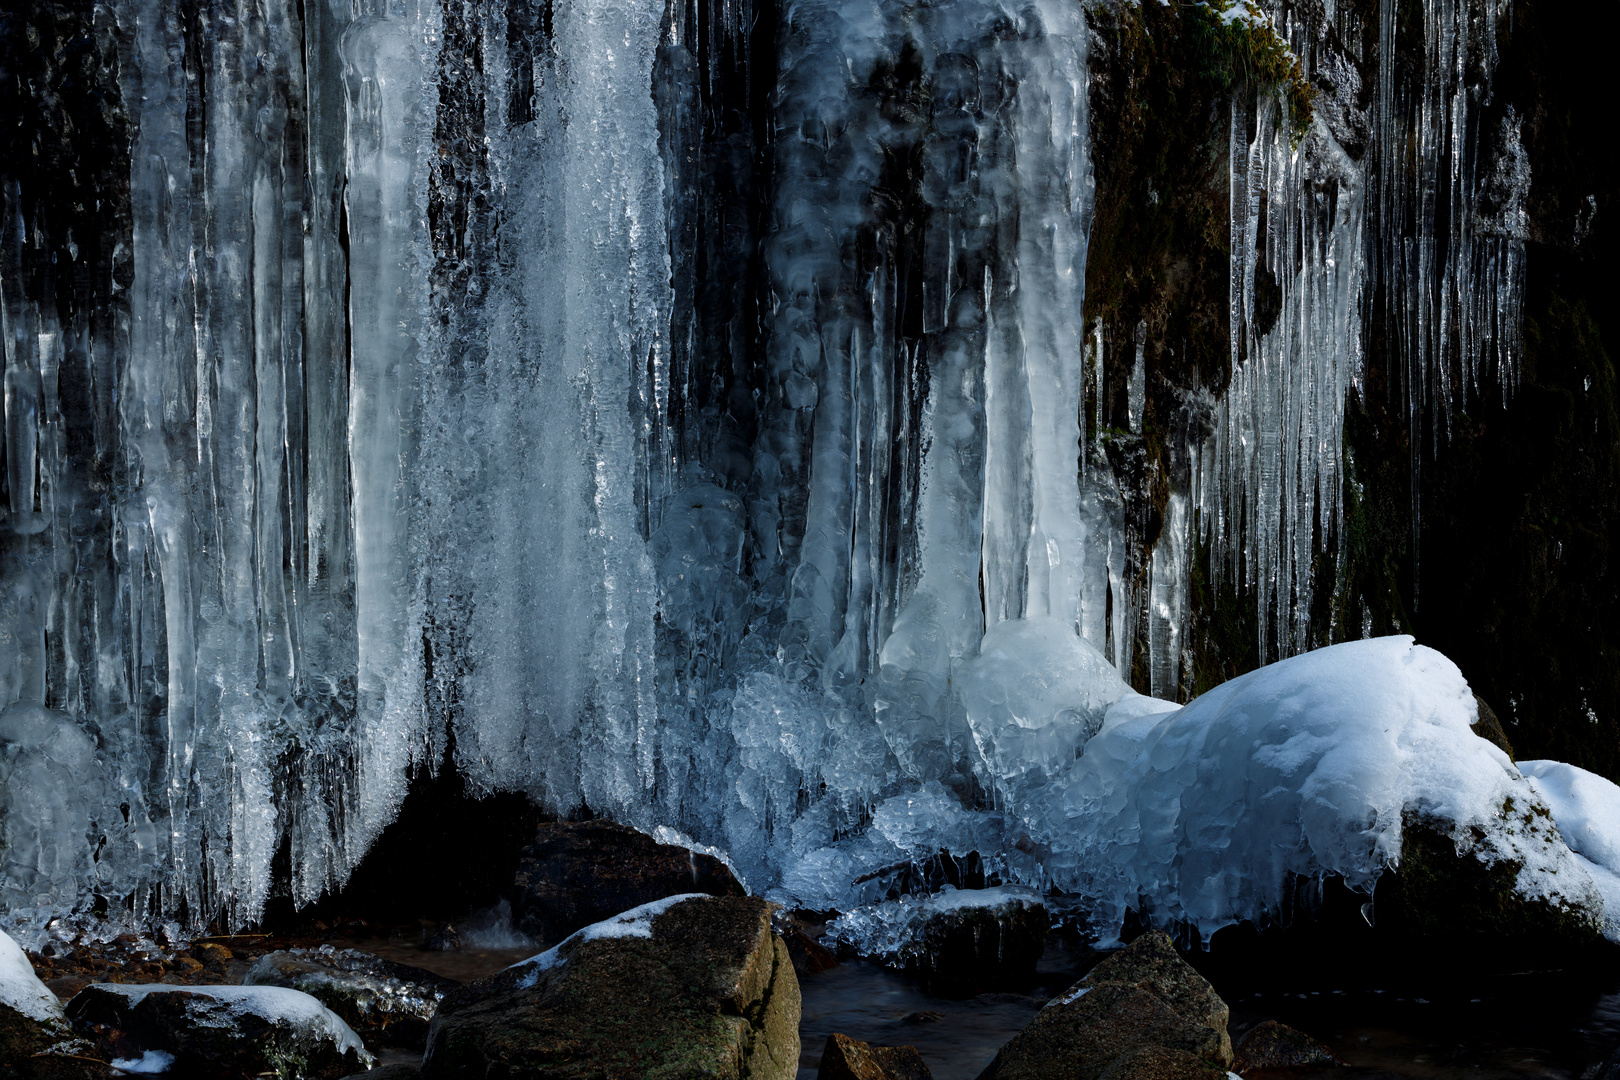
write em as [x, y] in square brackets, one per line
[1240, 51]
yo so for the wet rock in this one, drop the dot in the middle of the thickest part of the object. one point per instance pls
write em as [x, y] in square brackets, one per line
[686, 987]
[957, 942]
[1270, 1045]
[845, 1058]
[1161, 1063]
[1489, 727]
[386, 1004]
[220, 1032]
[445, 939]
[389, 1072]
[1144, 996]
[809, 955]
[579, 873]
[65, 986]
[36, 1039]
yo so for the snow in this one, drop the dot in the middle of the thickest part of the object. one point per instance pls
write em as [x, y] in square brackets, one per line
[1586, 808]
[274, 1003]
[635, 923]
[152, 1062]
[1305, 766]
[21, 989]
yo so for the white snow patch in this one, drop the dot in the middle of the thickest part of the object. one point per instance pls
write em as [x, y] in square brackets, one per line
[21, 989]
[151, 1062]
[1303, 767]
[1586, 808]
[1069, 996]
[637, 922]
[273, 1003]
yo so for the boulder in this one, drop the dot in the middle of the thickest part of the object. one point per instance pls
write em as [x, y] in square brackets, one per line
[579, 873]
[220, 1032]
[1161, 1063]
[689, 987]
[957, 941]
[845, 1058]
[36, 1039]
[1270, 1045]
[1144, 996]
[387, 1004]
[389, 1072]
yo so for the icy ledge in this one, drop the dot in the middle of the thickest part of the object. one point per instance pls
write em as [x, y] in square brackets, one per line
[1308, 767]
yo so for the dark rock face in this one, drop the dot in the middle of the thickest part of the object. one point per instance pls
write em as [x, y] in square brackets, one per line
[697, 988]
[578, 873]
[850, 1059]
[1271, 1045]
[389, 1072]
[1145, 996]
[1489, 727]
[221, 1032]
[387, 1004]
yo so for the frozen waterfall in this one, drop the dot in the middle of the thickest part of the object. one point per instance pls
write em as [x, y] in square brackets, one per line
[688, 410]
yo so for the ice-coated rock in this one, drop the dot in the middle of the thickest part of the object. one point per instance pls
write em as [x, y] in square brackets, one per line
[1142, 997]
[229, 1032]
[1307, 767]
[387, 1004]
[578, 873]
[34, 1030]
[956, 941]
[685, 987]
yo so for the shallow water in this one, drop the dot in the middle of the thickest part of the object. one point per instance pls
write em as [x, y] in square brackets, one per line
[1536, 1026]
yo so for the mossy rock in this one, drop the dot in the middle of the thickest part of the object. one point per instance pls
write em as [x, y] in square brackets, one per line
[708, 993]
[1270, 1045]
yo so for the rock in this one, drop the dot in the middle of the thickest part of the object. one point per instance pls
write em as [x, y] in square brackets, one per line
[850, 1059]
[1270, 1045]
[1144, 996]
[223, 1032]
[1152, 964]
[386, 1004]
[66, 986]
[36, 1040]
[1489, 727]
[1160, 1063]
[446, 939]
[683, 988]
[957, 941]
[389, 1072]
[579, 873]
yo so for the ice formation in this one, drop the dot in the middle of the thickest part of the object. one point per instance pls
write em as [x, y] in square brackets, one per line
[276, 1004]
[892, 931]
[1307, 767]
[699, 426]
[20, 988]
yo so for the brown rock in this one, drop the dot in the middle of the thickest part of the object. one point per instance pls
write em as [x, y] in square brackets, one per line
[65, 986]
[1152, 963]
[1489, 727]
[579, 873]
[706, 993]
[1160, 1063]
[845, 1058]
[1271, 1045]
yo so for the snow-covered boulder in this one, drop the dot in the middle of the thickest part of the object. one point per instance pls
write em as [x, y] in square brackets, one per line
[690, 986]
[32, 1023]
[387, 1004]
[1144, 997]
[578, 873]
[957, 940]
[1310, 767]
[228, 1032]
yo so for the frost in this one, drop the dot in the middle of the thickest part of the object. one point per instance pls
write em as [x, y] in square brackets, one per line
[152, 1062]
[893, 931]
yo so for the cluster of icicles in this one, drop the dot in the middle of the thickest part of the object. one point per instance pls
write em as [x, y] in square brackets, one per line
[382, 473]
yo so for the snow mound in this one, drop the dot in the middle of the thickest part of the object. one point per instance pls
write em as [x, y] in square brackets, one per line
[1586, 808]
[888, 931]
[274, 1003]
[21, 989]
[637, 922]
[1304, 767]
